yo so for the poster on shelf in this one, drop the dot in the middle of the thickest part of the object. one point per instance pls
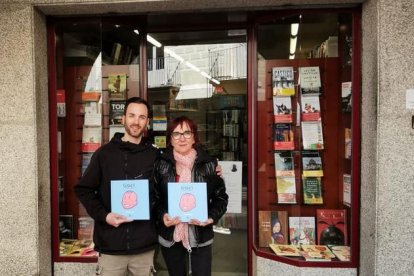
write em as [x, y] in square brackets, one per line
[232, 175]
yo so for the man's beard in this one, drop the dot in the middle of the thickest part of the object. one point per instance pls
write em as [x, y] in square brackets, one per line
[138, 134]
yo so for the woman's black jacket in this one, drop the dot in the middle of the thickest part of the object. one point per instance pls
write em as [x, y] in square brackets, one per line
[203, 171]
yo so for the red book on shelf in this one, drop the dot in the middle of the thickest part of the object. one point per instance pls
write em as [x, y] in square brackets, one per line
[332, 226]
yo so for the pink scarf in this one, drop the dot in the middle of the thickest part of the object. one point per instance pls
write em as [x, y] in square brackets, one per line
[184, 165]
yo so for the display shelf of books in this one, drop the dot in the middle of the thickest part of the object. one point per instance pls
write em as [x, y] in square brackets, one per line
[91, 109]
[304, 197]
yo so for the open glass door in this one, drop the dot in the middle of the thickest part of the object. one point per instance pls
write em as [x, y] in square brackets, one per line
[203, 75]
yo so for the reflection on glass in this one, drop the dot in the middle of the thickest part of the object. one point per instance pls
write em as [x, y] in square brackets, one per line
[203, 75]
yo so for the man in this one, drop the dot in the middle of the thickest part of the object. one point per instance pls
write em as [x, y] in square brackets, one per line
[124, 246]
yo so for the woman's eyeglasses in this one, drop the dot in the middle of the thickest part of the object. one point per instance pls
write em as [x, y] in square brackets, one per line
[177, 135]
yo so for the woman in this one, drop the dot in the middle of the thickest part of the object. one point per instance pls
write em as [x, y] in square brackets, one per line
[185, 161]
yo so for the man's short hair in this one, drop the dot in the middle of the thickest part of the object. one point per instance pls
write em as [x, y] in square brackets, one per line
[137, 100]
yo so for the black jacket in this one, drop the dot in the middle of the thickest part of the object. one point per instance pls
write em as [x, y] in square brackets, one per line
[118, 160]
[203, 171]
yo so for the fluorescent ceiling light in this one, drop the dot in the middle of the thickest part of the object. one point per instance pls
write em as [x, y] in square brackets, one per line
[153, 41]
[136, 31]
[294, 29]
[292, 56]
[292, 48]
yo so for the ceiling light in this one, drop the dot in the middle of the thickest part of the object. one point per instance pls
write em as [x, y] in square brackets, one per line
[294, 29]
[292, 48]
[153, 41]
[192, 66]
[173, 54]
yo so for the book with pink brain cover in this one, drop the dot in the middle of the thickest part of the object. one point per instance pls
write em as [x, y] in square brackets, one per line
[188, 201]
[130, 198]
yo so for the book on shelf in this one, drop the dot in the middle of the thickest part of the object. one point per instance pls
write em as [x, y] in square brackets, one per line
[75, 248]
[85, 230]
[285, 250]
[302, 230]
[283, 138]
[316, 253]
[332, 226]
[312, 191]
[312, 137]
[286, 189]
[348, 143]
[131, 198]
[282, 109]
[342, 252]
[159, 120]
[61, 103]
[284, 163]
[91, 96]
[86, 159]
[160, 141]
[309, 80]
[310, 108]
[283, 81]
[65, 227]
[346, 94]
[347, 188]
[273, 226]
[187, 201]
[114, 129]
[117, 86]
[92, 114]
[311, 164]
[116, 112]
[91, 138]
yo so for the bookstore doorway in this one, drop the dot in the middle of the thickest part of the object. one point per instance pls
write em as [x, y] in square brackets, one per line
[203, 75]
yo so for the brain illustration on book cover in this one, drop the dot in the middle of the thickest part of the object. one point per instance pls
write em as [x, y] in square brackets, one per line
[187, 202]
[129, 200]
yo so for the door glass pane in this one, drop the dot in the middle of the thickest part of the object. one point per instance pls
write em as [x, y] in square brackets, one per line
[96, 68]
[202, 75]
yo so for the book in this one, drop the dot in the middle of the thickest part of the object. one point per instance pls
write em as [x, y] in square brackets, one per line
[160, 141]
[302, 230]
[283, 81]
[86, 159]
[312, 191]
[159, 120]
[312, 137]
[311, 164]
[116, 112]
[348, 143]
[85, 230]
[310, 108]
[331, 226]
[282, 109]
[309, 80]
[286, 189]
[61, 102]
[283, 137]
[342, 252]
[285, 250]
[114, 129]
[117, 85]
[187, 201]
[92, 114]
[346, 94]
[273, 226]
[91, 138]
[284, 163]
[91, 96]
[316, 253]
[347, 188]
[131, 198]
